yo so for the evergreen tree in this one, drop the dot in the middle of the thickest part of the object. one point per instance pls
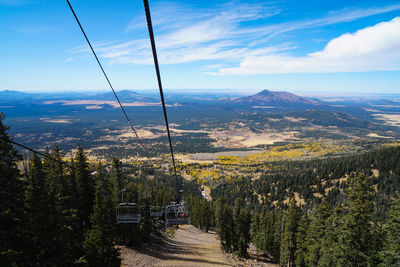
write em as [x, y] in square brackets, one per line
[266, 233]
[316, 233]
[118, 179]
[37, 211]
[236, 229]
[85, 189]
[205, 214]
[99, 244]
[289, 242]
[224, 223]
[243, 224]
[330, 252]
[390, 254]
[61, 223]
[11, 202]
[277, 236]
[301, 249]
[146, 223]
[358, 238]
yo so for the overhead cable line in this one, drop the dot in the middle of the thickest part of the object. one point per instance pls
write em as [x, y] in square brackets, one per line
[37, 152]
[153, 48]
[108, 80]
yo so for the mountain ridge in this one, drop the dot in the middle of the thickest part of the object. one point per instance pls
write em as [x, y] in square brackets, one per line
[267, 97]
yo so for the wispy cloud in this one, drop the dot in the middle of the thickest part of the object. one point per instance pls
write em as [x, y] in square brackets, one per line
[212, 67]
[165, 14]
[224, 33]
[199, 34]
[375, 48]
[334, 17]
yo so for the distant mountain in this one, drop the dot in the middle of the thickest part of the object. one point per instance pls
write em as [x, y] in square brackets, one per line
[13, 95]
[273, 98]
[123, 95]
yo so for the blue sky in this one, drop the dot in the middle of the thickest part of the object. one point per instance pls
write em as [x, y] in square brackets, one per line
[310, 47]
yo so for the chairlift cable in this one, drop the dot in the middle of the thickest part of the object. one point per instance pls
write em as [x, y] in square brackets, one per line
[108, 81]
[37, 152]
[157, 68]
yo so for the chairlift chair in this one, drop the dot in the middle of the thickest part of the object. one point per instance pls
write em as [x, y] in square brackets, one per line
[176, 214]
[127, 212]
[155, 212]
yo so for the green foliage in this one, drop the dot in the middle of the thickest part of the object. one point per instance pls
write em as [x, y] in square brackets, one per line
[329, 251]
[242, 222]
[37, 206]
[301, 235]
[233, 227]
[266, 233]
[225, 225]
[85, 188]
[11, 202]
[358, 240]
[55, 216]
[99, 243]
[201, 212]
[316, 232]
[289, 236]
[390, 255]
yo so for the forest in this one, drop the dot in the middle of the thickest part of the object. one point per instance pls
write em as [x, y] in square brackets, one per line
[337, 211]
[54, 214]
[334, 211]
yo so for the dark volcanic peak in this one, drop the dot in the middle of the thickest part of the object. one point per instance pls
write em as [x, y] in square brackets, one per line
[267, 97]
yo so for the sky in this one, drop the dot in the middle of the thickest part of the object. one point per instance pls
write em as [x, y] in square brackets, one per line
[309, 47]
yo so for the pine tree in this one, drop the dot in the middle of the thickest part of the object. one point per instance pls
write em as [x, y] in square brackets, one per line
[301, 250]
[236, 234]
[85, 189]
[316, 233]
[243, 231]
[279, 229]
[65, 243]
[99, 244]
[224, 223]
[11, 202]
[37, 211]
[146, 223]
[330, 252]
[357, 237]
[390, 253]
[289, 242]
[205, 214]
[118, 179]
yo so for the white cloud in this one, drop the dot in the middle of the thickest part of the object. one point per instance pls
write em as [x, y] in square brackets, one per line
[375, 48]
[198, 35]
[212, 67]
[341, 16]
[222, 33]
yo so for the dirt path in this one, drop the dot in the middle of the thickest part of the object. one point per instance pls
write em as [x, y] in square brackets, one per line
[189, 247]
